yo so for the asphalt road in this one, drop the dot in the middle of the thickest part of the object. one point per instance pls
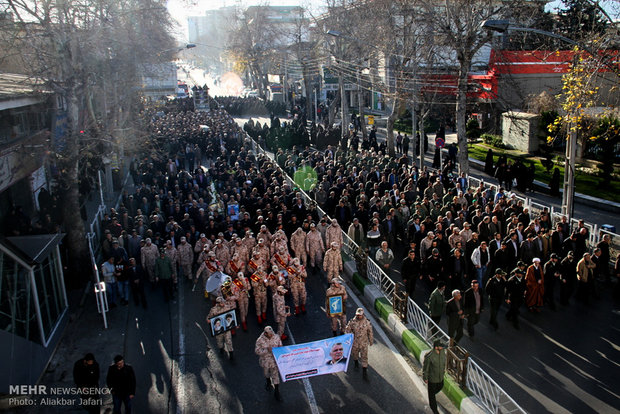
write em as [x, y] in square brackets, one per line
[180, 370]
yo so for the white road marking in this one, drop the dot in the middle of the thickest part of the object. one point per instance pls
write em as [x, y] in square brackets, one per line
[314, 409]
[180, 389]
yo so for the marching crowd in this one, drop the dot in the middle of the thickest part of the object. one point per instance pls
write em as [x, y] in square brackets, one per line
[239, 216]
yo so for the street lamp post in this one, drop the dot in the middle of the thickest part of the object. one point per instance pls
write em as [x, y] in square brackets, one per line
[568, 192]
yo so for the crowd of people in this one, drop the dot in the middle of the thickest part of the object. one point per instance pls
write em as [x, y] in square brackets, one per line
[205, 203]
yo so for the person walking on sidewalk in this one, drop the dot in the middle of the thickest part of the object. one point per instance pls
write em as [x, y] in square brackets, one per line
[86, 375]
[121, 379]
[434, 369]
[363, 337]
[437, 303]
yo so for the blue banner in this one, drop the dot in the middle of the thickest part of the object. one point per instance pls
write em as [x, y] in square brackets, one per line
[326, 356]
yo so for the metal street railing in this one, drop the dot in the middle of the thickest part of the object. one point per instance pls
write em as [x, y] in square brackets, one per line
[490, 394]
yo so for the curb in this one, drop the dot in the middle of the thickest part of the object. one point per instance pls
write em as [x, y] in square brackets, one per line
[463, 400]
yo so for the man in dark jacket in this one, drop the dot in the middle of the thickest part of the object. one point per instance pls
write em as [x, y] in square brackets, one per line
[434, 368]
[86, 375]
[515, 295]
[122, 381]
[410, 271]
[454, 310]
[553, 272]
[473, 304]
[495, 288]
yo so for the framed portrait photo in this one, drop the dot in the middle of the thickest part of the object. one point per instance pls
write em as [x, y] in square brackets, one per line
[223, 322]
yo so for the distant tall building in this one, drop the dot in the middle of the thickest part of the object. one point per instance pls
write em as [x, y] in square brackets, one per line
[210, 33]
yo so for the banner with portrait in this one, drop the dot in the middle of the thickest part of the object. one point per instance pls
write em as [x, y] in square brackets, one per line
[325, 356]
[223, 322]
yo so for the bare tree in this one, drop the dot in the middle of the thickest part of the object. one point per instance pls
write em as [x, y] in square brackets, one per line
[87, 52]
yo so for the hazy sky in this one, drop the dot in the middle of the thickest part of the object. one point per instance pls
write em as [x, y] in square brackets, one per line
[181, 9]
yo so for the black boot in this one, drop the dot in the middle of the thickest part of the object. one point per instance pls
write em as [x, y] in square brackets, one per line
[357, 364]
[365, 373]
[268, 384]
[231, 356]
[277, 392]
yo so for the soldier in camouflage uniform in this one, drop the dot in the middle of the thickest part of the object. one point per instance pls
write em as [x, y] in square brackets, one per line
[263, 249]
[337, 289]
[202, 244]
[222, 254]
[297, 278]
[173, 255]
[298, 245]
[259, 287]
[332, 263]
[281, 258]
[224, 340]
[241, 291]
[363, 337]
[249, 241]
[240, 249]
[280, 311]
[235, 265]
[255, 262]
[208, 267]
[314, 247]
[333, 234]
[148, 255]
[264, 344]
[265, 234]
[186, 257]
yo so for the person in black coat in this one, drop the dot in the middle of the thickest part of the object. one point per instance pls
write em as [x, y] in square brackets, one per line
[137, 280]
[86, 375]
[515, 295]
[553, 272]
[454, 311]
[568, 269]
[122, 381]
[495, 288]
[410, 271]
[473, 304]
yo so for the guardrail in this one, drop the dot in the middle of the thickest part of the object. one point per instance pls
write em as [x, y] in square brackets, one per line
[491, 395]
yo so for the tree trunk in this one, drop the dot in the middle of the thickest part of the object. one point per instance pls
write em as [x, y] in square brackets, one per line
[421, 143]
[390, 129]
[331, 116]
[360, 96]
[78, 271]
[461, 116]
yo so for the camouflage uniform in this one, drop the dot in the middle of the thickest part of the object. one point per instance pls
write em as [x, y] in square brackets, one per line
[259, 287]
[241, 288]
[281, 258]
[275, 279]
[224, 340]
[298, 285]
[249, 242]
[148, 255]
[235, 265]
[362, 338]
[202, 244]
[333, 234]
[173, 255]
[298, 245]
[265, 234]
[255, 262]
[266, 359]
[222, 254]
[337, 289]
[240, 249]
[263, 250]
[279, 310]
[332, 264]
[207, 268]
[278, 242]
[186, 258]
[314, 247]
